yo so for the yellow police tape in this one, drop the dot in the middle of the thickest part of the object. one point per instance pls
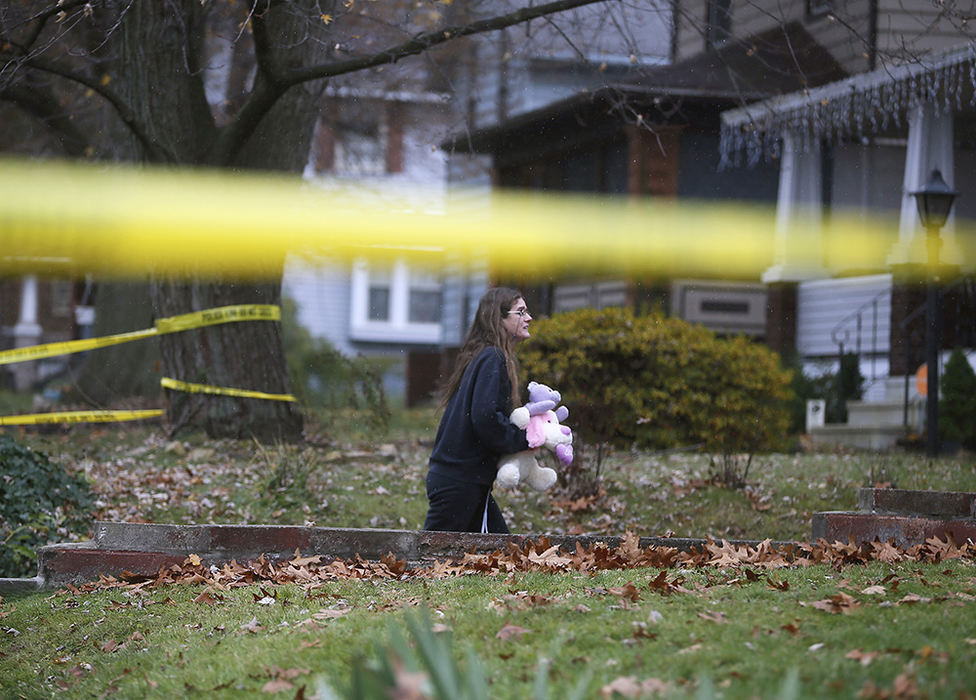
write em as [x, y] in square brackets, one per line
[81, 417]
[122, 415]
[171, 324]
[177, 385]
[123, 222]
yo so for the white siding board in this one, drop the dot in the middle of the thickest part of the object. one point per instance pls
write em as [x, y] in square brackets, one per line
[823, 304]
[321, 293]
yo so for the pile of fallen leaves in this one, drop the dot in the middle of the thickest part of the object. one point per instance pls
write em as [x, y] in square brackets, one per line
[537, 556]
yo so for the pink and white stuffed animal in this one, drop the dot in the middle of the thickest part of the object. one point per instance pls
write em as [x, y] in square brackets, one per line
[542, 427]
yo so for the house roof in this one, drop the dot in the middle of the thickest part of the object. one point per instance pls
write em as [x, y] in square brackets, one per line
[768, 64]
[774, 62]
[867, 103]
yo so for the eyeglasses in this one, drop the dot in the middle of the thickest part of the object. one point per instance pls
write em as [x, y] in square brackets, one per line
[521, 312]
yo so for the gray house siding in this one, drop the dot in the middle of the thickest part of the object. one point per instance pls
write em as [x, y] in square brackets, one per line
[823, 305]
[321, 293]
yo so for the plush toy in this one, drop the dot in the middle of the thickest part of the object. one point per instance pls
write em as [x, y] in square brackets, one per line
[542, 427]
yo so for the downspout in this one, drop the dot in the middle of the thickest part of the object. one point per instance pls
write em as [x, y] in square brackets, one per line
[673, 48]
[872, 35]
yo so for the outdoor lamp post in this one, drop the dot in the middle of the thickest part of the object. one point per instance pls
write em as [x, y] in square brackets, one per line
[934, 202]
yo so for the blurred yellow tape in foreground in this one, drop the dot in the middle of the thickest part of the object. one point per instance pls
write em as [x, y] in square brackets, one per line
[81, 417]
[190, 387]
[70, 219]
[172, 324]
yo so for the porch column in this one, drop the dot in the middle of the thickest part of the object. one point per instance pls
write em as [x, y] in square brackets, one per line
[798, 242]
[929, 148]
[26, 332]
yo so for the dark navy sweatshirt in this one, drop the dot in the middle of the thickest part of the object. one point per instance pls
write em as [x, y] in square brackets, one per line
[475, 429]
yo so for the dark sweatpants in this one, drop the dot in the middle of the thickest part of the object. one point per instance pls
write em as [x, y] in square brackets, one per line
[459, 506]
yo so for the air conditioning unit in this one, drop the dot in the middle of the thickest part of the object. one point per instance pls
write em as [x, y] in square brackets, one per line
[724, 307]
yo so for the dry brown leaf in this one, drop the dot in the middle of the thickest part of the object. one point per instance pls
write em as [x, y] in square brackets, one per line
[278, 685]
[905, 686]
[252, 626]
[630, 687]
[208, 597]
[863, 657]
[329, 614]
[912, 598]
[718, 617]
[839, 603]
[628, 591]
[510, 631]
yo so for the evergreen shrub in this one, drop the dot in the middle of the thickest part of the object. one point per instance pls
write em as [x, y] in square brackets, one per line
[658, 382]
[957, 400]
[40, 503]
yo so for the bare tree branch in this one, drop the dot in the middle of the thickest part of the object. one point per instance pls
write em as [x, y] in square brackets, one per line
[271, 83]
[158, 151]
[423, 42]
[46, 109]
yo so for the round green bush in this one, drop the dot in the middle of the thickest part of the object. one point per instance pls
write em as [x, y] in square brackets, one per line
[659, 382]
[40, 503]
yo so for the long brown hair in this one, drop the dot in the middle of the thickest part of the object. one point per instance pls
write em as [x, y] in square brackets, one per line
[486, 331]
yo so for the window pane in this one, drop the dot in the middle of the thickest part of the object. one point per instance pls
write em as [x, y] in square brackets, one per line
[424, 306]
[379, 303]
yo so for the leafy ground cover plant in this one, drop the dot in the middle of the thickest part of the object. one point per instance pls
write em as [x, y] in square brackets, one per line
[40, 502]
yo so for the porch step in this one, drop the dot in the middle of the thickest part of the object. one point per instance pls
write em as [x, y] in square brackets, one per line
[893, 389]
[869, 413]
[904, 517]
[865, 437]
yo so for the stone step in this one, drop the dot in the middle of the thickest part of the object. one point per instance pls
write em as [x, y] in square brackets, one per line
[901, 530]
[142, 549]
[936, 504]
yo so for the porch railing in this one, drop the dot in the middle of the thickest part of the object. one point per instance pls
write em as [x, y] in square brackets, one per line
[858, 328]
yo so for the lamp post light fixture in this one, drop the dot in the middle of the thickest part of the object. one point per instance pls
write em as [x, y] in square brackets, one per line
[934, 203]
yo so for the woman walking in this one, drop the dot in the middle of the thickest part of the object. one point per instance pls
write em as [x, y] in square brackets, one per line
[475, 429]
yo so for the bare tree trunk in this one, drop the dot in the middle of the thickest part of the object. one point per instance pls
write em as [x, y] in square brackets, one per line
[240, 355]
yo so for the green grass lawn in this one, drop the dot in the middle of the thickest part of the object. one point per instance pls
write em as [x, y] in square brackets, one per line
[907, 626]
[907, 630]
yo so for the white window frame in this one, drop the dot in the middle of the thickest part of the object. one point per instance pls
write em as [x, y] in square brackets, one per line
[397, 328]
